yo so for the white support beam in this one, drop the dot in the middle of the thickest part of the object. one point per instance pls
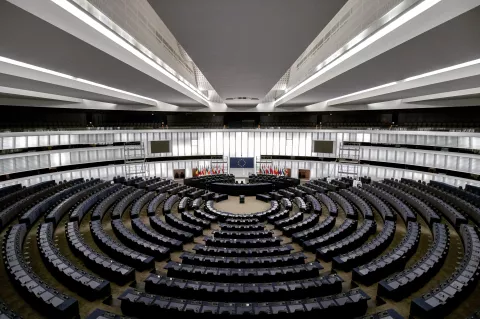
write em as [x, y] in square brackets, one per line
[31, 72]
[390, 36]
[469, 70]
[37, 95]
[87, 29]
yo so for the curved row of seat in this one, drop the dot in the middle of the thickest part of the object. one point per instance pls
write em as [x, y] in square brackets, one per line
[7, 190]
[246, 252]
[282, 223]
[242, 243]
[420, 207]
[317, 230]
[345, 229]
[447, 295]
[450, 213]
[351, 242]
[14, 194]
[79, 212]
[166, 188]
[206, 216]
[402, 284]
[346, 305]
[5, 312]
[302, 207]
[194, 220]
[244, 292]
[184, 204]
[391, 262]
[163, 228]
[155, 203]
[236, 227]
[168, 204]
[17, 202]
[400, 207]
[38, 293]
[119, 251]
[122, 205]
[315, 204]
[158, 184]
[176, 222]
[244, 275]
[286, 194]
[469, 209]
[140, 203]
[243, 262]
[250, 234]
[34, 213]
[328, 202]
[278, 216]
[145, 183]
[196, 203]
[286, 203]
[307, 223]
[99, 263]
[84, 283]
[344, 204]
[196, 193]
[376, 203]
[468, 196]
[137, 243]
[88, 188]
[100, 210]
[317, 188]
[242, 221]
[175, 190]
[152, 236]
[362, 206]
[367, 251]
[306, 189]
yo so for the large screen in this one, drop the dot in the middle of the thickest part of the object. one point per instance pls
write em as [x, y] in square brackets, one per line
[323, 146]
[242, 162]
[160, 147]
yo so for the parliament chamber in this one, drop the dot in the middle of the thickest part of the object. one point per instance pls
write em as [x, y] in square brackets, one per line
[245, 158]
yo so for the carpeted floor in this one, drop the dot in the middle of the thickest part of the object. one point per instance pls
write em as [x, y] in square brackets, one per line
[232, 205]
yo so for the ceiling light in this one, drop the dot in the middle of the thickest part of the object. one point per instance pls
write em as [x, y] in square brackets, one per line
[439, 71]
[66, 76]
[84, 17]
[363, 91]
[450, 68]
[404, 18]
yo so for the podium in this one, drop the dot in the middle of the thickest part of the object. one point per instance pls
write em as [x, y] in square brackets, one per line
[242, 199]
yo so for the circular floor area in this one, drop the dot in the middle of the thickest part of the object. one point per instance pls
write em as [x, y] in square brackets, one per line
[232, 205]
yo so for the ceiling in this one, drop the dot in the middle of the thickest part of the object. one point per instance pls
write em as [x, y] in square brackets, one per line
[244, 47]
[37, 42]
[451, 43]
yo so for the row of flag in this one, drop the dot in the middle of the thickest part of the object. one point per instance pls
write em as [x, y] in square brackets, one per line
[207, 170]
[272, 170]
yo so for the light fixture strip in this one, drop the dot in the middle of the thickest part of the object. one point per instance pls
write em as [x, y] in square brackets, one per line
[66, 76]
[388, 28]
[108, 28]
[363, 91]
[416, 77]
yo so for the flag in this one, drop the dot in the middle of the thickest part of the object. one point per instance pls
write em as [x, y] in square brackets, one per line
[196, 171]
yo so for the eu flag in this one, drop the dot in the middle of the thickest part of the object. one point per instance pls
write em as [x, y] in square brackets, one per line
[241, 162]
